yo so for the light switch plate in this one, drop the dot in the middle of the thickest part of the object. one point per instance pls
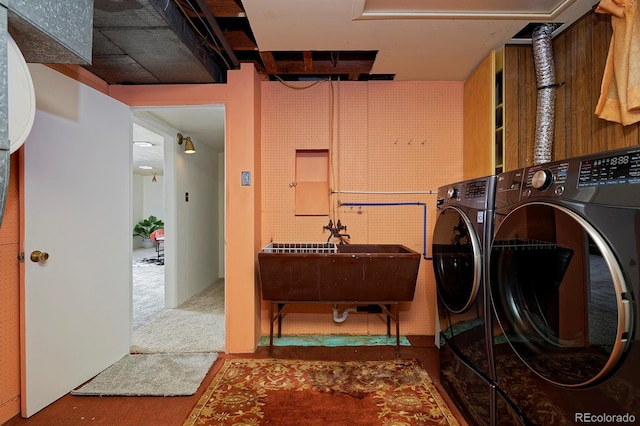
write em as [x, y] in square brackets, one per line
[246, 178]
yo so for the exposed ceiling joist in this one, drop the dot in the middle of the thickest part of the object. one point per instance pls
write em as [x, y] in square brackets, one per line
[199, 41]
[211, 20]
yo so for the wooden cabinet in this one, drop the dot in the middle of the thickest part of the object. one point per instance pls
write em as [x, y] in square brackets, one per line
[484, 118]
[312, 182]
[498, 106]
[478, 121]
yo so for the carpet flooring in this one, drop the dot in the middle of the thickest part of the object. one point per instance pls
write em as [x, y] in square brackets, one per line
[148, 286]
[71, 410]
[198, 325]
[151, 375]
[294, 392]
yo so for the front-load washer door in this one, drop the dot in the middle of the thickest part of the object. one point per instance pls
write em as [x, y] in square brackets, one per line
[457, 260]
[559, 294]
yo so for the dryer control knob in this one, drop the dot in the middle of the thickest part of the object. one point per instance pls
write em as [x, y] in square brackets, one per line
[452, 193]
[542, 179]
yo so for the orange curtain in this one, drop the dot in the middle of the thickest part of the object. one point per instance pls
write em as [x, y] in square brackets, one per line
[620, 92]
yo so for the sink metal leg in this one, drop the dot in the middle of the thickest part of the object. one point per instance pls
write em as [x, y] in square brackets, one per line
[393, 313]
[272, 318]
[388, 322]
[280, 308]
[270, 328]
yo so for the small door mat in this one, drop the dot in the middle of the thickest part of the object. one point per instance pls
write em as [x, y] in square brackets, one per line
[151, 375]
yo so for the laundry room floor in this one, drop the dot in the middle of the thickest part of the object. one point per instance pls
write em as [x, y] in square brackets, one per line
[173, 411]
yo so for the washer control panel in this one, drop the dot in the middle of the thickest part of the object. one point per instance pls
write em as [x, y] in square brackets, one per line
[610, 170]
[543, 176]
[603, 178]
[476, 189]
[475, 193]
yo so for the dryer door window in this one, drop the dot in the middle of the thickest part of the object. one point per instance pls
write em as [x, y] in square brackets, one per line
[559, 294]
[456, 260]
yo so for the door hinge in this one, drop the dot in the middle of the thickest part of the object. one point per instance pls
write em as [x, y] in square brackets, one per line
[21, 257]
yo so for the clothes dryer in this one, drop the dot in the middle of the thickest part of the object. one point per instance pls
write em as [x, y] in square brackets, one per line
[461, 235]
[565, 286]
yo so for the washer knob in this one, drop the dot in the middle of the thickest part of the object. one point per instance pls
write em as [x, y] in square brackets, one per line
[452, 193]
[542, 179]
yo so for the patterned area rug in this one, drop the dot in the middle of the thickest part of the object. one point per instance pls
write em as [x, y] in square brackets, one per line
[295, 392]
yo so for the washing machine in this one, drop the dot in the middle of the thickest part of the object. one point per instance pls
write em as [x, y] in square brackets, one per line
[462, 232]
[564, 282]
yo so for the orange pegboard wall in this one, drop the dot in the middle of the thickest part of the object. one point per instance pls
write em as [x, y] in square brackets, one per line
[10, 301]
[384, 137]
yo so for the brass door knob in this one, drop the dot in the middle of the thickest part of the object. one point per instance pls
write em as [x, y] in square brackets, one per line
[39, 256]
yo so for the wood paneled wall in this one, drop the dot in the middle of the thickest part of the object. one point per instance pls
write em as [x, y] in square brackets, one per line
[580, 54]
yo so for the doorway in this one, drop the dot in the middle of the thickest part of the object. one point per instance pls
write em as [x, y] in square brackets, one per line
[193, 214]
[148, 295]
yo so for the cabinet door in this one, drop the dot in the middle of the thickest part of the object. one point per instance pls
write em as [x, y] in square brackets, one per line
[479, 121]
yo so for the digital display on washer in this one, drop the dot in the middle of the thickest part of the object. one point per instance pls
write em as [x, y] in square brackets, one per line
[614, 170]
[476, 189]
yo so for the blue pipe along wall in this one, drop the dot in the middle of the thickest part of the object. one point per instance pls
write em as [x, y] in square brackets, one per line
[407, 203]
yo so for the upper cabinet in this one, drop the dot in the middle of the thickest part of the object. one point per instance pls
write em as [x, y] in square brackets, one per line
[484, 118]
[479, 127]
[498, 107]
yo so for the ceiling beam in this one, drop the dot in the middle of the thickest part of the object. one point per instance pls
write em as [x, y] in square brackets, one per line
[211, 20]
[324, 67]
[179, 25]
[240, 41]
[226, 8]
[269, 62]
[308, 60]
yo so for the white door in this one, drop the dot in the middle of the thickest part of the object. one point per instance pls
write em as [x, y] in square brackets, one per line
[77, 180]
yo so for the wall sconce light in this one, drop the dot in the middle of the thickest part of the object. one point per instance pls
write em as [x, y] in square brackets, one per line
[188, 145]
[154, 178]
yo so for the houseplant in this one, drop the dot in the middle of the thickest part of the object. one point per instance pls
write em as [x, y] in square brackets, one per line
[145, 228]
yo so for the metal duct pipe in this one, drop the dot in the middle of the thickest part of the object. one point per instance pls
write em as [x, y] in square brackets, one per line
[546, 99]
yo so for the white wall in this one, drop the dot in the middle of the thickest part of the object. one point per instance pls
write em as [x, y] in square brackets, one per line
[221, 218]
[153, 197]
[137, 209]
[197, 220]
[148, 200]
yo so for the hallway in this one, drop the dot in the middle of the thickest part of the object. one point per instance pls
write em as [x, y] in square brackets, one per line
[148, 286]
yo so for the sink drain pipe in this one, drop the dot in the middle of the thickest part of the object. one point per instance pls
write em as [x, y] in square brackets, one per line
[410, 203]
[337, 317]
[546, 99]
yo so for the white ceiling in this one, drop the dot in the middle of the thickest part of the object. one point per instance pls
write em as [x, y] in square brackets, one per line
[433, 40]
[204, 124]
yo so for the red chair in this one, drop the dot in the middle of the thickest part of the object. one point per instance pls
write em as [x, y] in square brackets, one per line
[157, 237]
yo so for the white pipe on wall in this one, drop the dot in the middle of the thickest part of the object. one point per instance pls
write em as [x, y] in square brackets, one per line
[383, 192]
